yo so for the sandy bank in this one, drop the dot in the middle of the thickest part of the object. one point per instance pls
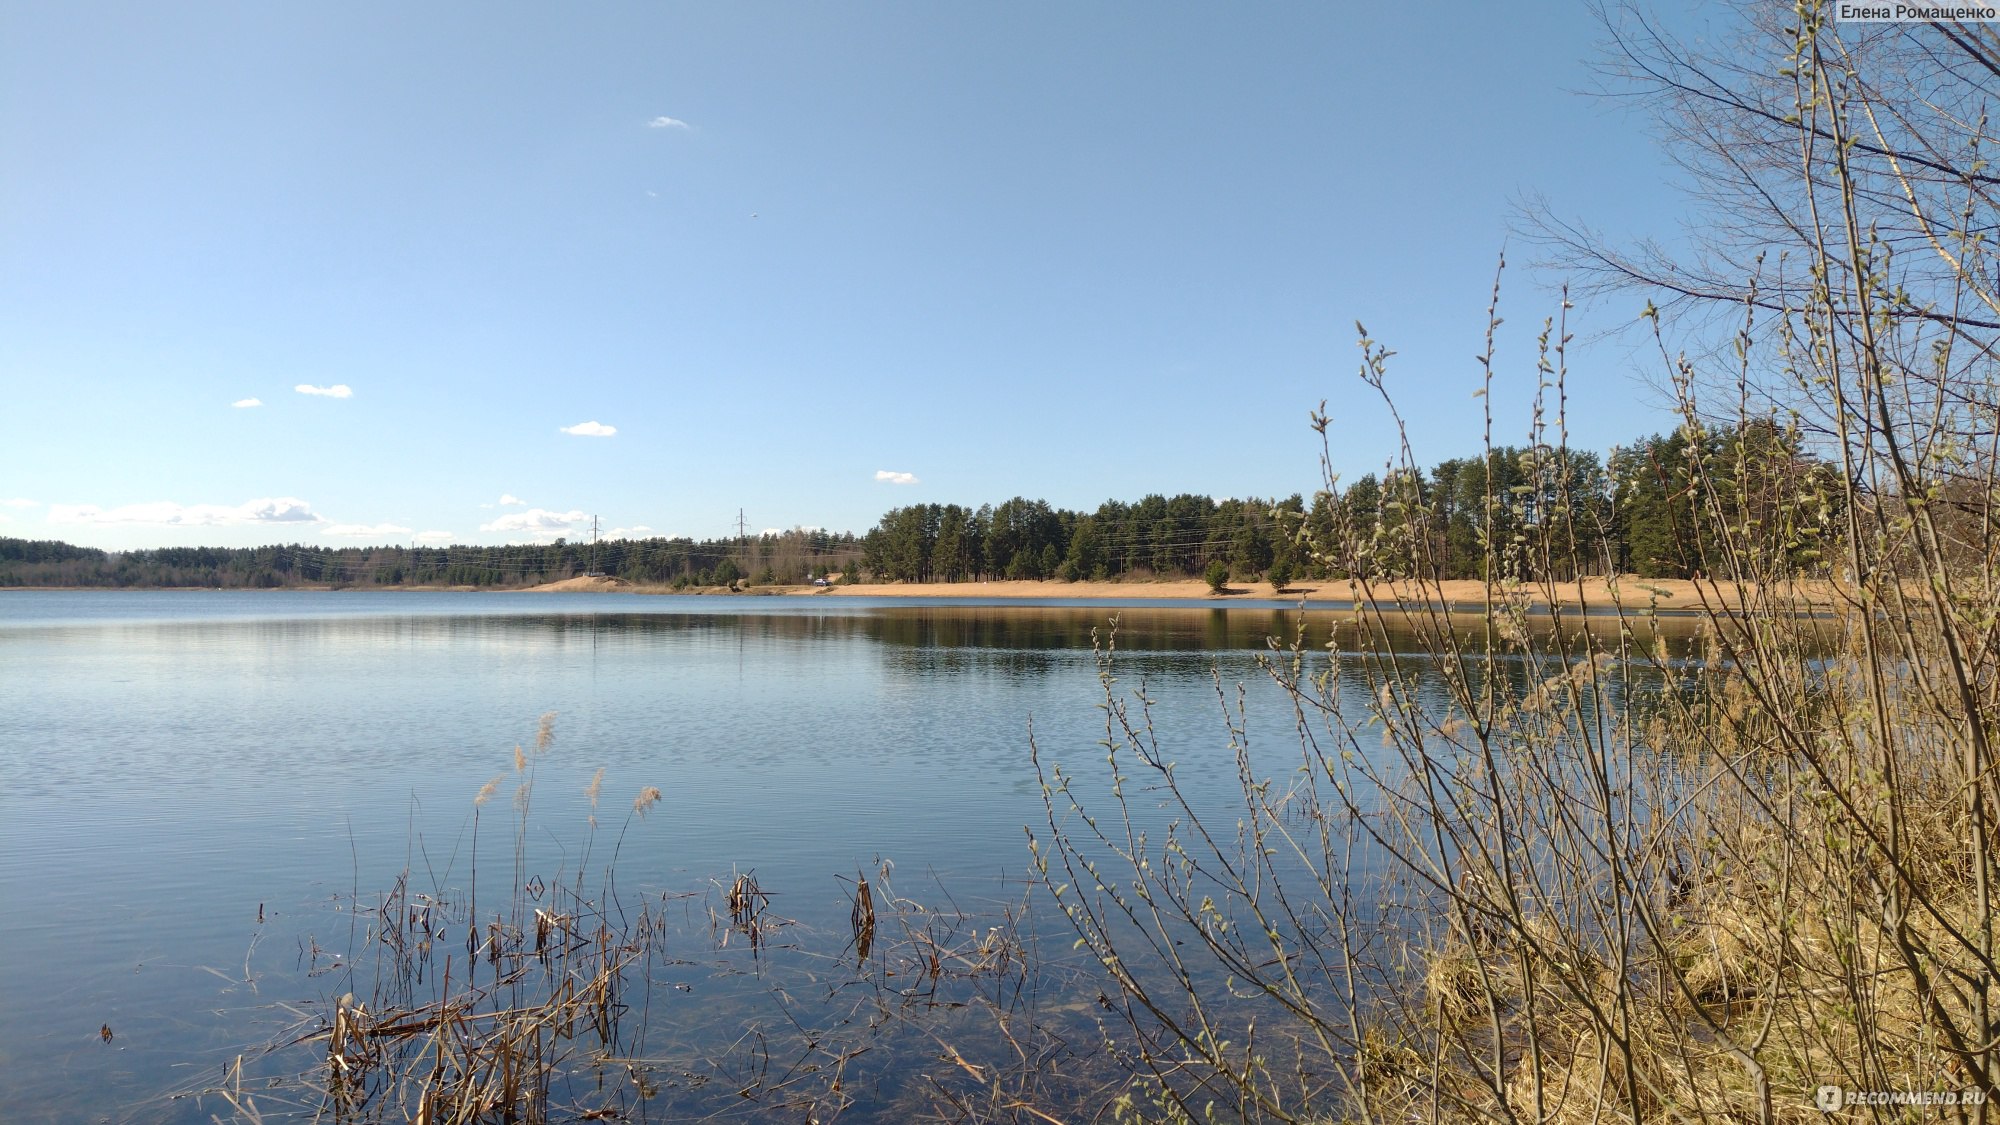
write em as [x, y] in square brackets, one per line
[580, 582]
[1628, 591]
[1595, 593]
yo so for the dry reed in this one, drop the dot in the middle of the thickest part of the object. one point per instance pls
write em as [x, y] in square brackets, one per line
[1565, 875]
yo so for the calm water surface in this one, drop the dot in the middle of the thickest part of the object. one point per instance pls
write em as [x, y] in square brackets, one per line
[173, 764]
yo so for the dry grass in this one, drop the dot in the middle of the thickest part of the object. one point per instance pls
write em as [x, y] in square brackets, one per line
[1560, 875]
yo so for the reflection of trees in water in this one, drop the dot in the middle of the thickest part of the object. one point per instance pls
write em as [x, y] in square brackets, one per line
[1197, 628]
[1200, 628]
[1009, 641]
[1006, 663]
[1001, 627]
[1179, 630]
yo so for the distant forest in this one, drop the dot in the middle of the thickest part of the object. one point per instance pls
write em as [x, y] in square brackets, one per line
[788, 557]
[1631, 513]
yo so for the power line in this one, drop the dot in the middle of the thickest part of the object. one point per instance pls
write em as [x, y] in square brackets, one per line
[518, 560]
[1128, 537]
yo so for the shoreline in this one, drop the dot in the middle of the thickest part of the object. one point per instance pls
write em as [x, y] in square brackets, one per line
[1676, 596]
[1626, 592]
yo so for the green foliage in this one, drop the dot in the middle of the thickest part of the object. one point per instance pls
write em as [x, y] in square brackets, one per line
[727, 572]
[1217, 575]
[663, 561]
[1770, 500]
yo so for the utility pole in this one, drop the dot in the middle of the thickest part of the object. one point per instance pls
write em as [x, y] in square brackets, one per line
[592, 572]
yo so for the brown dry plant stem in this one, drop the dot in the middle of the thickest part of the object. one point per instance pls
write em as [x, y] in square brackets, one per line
[568, 999]
[1611, 864]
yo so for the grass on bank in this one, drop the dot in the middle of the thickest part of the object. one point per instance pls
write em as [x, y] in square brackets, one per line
[1554, 873]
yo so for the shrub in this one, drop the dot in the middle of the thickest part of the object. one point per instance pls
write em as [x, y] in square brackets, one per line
[1217, 576]
[1280, 575]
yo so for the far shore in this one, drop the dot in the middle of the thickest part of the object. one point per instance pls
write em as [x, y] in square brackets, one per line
[1628, 592]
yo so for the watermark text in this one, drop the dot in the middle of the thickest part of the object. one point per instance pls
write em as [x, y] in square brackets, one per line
[1864, 11]
[1832, 1099]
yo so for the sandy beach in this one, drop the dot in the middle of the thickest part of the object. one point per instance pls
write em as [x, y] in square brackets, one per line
[1628, 591]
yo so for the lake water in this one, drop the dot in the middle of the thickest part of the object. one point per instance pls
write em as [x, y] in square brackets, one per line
[195, 787]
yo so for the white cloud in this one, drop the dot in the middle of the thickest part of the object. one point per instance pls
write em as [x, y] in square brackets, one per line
[242, 403]
[895, 478]
[18, 502]
[165, 513]
[509, 498]
[667, 123]
[435, 536]
[536, 521]
[364, 530]
[338, 390]
[589, 429]
[638, 531]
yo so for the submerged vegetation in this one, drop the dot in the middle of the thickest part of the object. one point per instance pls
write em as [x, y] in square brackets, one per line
[548, 992]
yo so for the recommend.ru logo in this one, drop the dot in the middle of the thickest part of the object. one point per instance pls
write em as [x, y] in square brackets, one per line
[1830, 1099]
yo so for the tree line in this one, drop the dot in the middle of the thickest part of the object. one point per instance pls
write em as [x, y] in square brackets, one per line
[1655, 509]
[789, 557]
[1548, 513]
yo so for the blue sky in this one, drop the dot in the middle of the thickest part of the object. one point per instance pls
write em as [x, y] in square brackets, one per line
[809, 261]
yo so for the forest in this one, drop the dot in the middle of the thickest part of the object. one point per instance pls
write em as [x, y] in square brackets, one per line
[1636, 508]
[788, 557]
[1631, 513]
